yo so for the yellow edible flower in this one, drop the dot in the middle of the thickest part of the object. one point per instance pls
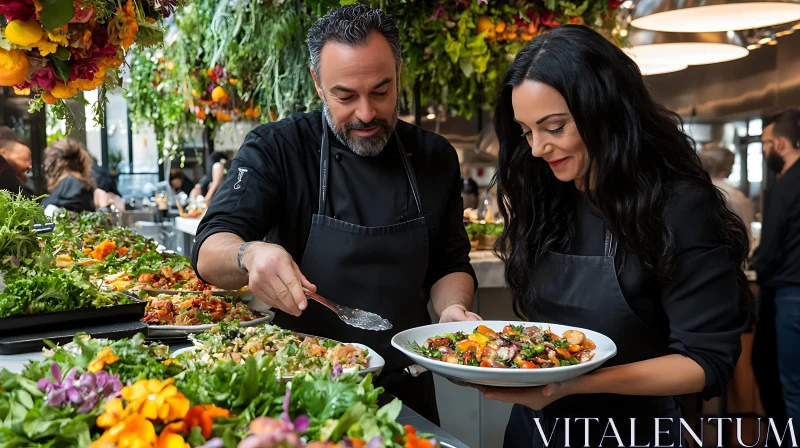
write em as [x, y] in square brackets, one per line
[134, 432]
[106, 356]
[156, 400]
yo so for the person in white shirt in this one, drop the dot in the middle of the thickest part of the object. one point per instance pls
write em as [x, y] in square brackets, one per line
[718, 162]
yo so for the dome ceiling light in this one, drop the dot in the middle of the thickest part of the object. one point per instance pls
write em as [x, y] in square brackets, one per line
[657, 53]
[695, 16]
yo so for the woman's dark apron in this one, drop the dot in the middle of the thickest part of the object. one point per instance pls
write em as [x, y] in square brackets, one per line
[583, 291]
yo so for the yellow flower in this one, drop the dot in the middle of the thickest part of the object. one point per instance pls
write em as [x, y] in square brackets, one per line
[170, 361]
[106, 356]
[46, 47]
[134, 432]
[22, 92]
[113, 413]
[14, 67]
[22, 33]
[156, 400]
[59, 36]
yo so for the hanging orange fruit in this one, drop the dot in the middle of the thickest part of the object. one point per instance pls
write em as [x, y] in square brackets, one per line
[14, 67]
[219, 95]
[22, 33]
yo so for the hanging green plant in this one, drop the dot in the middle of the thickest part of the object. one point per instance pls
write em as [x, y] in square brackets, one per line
[458, 49]
[251, 63]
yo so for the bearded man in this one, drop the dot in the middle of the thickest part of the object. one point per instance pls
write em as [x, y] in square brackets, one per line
[361, 207]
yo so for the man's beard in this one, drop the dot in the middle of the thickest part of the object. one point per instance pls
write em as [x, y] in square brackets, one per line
[363, 146]
[775, 162]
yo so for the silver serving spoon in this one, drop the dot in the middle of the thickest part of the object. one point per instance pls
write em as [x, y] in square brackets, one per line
[354, 317]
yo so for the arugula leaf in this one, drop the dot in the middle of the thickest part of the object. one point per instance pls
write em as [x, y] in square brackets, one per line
[335, 432]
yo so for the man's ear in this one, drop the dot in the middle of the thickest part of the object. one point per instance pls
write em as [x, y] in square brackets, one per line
[317, 84]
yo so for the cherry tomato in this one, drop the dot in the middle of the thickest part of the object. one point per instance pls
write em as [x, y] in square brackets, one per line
[440, 341]
[528, 365]
[467, 357]
[486, 363]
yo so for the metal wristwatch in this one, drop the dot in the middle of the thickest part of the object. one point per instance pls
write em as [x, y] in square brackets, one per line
[240, 256]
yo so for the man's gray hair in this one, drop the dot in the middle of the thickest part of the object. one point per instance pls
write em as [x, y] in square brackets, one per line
[352, 24]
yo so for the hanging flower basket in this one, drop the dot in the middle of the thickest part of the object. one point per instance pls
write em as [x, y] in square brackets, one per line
[57, 49]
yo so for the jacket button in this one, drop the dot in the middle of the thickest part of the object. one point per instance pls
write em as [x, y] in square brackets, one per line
[338, 157]
[336, 217]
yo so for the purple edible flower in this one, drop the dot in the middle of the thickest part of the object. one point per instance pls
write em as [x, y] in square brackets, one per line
[376, 442]
[216, 442]
[268, 432]
[300, 424]
[84, 391]
[336, 373]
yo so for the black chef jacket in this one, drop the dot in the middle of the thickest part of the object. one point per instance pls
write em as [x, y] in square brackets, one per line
[777, 258]
[699, 307]
[272, 190]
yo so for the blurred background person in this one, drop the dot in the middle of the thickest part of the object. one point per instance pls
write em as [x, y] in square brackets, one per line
[15, 162]
[104, 180]
[211, 181]
[180, 182]
[718, 162]
[777, 258]
[68, 169]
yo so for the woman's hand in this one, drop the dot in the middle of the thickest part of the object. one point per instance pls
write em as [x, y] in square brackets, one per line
[535, 398]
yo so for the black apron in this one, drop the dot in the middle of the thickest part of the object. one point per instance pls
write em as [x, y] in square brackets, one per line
[377, 269]
[583, 291]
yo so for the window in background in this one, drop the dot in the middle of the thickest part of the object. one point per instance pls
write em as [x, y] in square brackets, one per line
[754, 160]
[93, 141]
[754, 127]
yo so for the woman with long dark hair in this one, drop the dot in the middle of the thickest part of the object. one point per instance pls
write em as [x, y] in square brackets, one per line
[613, 225]
[68, 168]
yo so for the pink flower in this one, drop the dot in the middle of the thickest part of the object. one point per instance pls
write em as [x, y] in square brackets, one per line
[18, 10]
[438, 14]
[83, 70]
[45, 78]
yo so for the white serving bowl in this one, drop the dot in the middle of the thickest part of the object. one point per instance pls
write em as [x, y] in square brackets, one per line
[499, 377]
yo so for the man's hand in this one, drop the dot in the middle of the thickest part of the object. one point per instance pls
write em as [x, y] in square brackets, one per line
[275, 278]
[457, 313]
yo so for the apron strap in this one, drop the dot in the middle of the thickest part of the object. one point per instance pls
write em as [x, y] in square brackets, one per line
[324, 157]
[412, 178]
[610, 245]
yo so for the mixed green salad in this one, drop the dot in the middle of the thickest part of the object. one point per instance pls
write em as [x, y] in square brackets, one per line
[96, 392]
[293, 353]
[84, 262]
